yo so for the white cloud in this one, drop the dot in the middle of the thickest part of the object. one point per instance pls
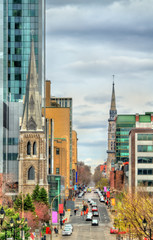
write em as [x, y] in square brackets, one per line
[89, 41]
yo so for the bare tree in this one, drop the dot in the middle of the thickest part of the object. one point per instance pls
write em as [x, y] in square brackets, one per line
[84, 173]
[97, 175]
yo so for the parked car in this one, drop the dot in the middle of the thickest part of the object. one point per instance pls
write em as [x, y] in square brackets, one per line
[113, 230]
[66, 232]
[69, 226]
[95, 222]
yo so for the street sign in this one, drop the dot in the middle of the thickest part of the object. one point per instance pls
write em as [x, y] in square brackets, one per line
[54, 217]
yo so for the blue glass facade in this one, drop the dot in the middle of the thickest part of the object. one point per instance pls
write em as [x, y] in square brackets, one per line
[20, 21]
[25, 21]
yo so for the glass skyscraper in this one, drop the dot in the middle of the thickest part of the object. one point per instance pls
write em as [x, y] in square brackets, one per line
[20, 22]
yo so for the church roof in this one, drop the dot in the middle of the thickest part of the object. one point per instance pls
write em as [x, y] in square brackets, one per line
[31, 120]
[113, 102]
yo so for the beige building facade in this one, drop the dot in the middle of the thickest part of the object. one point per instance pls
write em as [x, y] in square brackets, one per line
[59, 138]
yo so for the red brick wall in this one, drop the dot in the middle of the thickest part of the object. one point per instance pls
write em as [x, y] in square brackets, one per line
[119, 180]
[112, 184]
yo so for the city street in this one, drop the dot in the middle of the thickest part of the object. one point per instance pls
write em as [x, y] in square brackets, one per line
[83, 229]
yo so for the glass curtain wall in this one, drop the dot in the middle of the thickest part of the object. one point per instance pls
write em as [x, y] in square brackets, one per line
[24, 20]
[123, 126]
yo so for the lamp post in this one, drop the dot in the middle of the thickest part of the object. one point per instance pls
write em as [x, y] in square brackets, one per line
[145, 227]
[2, 215]
[12, 225]
[22, 224]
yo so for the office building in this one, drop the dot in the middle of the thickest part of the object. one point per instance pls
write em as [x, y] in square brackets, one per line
[66, 103]
[59, 138]
[124, 123]
[22, 21]
[141, 160]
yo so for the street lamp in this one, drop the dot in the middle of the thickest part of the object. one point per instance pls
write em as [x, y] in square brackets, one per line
[18, 220]
[12, 225]
[2, 215]
[26, 221]
[145, 227]
[144, 224]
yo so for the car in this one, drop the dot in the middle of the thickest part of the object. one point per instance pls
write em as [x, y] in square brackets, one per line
[114, 230]
[95, 222]
[89, 217]
[94, 204]
[94, 209]
[80, 195]
[66, 232]
[89, 200]
[95, 214]
[101, 199]
[69, 226]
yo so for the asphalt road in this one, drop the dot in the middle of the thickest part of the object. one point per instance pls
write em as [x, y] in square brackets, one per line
[83, 229]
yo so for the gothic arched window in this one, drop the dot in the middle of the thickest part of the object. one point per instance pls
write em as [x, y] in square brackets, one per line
[31, 173]
[34, 148]
[28, 148]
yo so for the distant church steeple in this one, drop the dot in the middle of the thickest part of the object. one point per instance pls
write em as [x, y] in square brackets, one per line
[113, 110]
[32, 107]
[111, 133]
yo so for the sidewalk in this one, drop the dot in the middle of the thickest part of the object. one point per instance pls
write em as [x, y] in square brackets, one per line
[58, 237]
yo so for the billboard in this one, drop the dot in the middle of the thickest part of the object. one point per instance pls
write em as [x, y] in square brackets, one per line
[60, 207]
[54, 217]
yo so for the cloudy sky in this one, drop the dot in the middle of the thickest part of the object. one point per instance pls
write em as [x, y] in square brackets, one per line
[87, 42]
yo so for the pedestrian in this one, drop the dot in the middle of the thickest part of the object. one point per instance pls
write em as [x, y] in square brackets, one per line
[75, 211]
[56, 231]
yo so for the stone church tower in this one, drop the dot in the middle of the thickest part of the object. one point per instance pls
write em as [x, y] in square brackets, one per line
[32, 141]
[111, 133]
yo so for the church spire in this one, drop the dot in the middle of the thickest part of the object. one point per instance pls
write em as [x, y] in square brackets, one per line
[32, 120]
[113, 110]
